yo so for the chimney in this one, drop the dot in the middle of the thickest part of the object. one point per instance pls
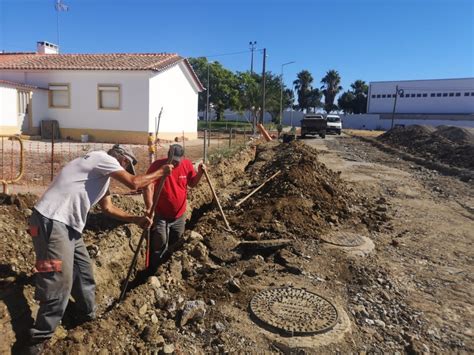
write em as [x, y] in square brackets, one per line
[46, 48]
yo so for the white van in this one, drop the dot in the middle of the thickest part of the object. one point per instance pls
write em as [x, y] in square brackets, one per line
[334, 124]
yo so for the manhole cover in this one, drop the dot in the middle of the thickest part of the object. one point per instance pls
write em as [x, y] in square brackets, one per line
[294, 311]
[344, 239]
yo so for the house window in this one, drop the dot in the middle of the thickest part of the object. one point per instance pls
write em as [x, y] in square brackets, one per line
[59, 96]
[458, 94]
[433, 94]
[445, 94]
[373, 96]
[466, 94]
[418, 95]
[425, 95]
[378, 96]
[108, 96]
[438, 94]
[384, 96]
[451, 94]
[413, 95]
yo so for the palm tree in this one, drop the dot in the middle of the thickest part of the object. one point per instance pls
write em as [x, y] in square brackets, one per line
[303, 88]
[331, 88]
[360, 91]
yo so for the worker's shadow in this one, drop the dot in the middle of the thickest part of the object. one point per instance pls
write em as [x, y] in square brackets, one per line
[12, 294]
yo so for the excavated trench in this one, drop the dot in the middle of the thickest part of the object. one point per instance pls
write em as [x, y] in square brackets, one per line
[199, 299]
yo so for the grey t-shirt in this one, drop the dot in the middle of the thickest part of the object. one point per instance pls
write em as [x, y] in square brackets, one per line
[80, 184]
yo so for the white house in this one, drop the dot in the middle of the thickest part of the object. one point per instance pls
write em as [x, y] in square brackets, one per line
[110, 97]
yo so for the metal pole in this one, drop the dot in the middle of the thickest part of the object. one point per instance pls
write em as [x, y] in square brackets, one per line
[394, 105]
[52, 150]
[262, 114]
[281, 95]
[205, 146]
[252, 45]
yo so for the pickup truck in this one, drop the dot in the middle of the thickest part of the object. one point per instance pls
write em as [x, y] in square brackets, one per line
[313, 124]
[334, 124]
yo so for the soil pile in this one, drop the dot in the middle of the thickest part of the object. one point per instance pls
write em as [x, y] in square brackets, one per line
[446, 144]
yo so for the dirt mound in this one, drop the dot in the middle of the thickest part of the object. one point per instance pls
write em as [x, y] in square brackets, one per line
[449, 145]
[456, 135]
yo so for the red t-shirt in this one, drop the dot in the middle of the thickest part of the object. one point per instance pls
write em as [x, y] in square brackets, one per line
[172, 201]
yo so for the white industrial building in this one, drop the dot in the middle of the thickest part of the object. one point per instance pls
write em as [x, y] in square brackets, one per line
[108, 97]
[439, 97]
[425, 102]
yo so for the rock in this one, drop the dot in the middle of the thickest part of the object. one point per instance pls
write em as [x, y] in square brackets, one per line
[167, 349]
[234, 285]
[159, 340]
[27, 212]
[154, 319]
[212, 302]
[77, 336]
[385, 296]
[154, 282]
[200, 252]
[219, 327]
[193, 310]
[146, 334]
[143, 310]
[369, 321]
[176, 270]
[379, 323]
[161, 298]
[196, 236]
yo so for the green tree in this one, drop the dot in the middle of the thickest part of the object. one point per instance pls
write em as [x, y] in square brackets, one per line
[346, 102]
[314, 101]
[303, 89]
[222, 85]
[360, 91]
[331, 88]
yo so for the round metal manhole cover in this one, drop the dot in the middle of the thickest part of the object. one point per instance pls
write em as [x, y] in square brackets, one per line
[294, 311]
[344, 239]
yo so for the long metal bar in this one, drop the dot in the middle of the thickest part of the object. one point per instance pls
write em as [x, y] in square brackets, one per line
[5, 182]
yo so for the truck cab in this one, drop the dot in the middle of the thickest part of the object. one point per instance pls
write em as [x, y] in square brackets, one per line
[313, 123]
[334, 124]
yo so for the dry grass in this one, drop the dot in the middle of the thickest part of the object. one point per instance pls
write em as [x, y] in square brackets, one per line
[363, 133]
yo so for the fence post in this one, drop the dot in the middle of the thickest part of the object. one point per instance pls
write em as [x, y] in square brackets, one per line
[205, 147]
[183, 141]
[230, 138]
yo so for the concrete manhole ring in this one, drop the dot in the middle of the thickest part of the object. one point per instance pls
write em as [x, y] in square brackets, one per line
[344, 239]
[294, 311]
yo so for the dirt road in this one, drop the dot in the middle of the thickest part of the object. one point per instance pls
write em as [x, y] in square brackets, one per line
[429, 248]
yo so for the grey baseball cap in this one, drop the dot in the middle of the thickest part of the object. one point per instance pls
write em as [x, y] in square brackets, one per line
[176, 151]
[127, 153]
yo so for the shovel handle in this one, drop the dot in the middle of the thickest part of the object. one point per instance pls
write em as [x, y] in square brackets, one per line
[217, 200]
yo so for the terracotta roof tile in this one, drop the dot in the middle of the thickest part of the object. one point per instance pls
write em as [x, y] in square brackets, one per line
[116, 61]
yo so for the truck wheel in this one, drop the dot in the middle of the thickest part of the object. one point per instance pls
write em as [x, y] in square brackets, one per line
[339, 132]
[322, 135]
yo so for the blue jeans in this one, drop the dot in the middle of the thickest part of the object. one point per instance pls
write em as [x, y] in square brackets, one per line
[162, 234]
[63, 269]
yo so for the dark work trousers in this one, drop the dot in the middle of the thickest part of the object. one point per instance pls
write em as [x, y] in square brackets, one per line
[162, 234]
[63, 269]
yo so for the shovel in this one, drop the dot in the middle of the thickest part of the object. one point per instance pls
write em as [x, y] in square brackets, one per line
[217, 200]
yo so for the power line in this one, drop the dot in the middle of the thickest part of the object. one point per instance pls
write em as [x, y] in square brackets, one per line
[223, 54]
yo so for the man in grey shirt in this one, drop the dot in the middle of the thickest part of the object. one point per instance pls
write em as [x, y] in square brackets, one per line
[63, 266]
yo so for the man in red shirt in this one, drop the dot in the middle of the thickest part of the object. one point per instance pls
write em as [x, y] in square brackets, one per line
[169, 221]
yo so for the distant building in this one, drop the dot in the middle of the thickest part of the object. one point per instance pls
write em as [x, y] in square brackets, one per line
[425, 97]
[110, 97]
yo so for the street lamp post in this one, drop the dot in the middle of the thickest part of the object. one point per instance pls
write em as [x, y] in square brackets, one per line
[281, 92]
[252, 45]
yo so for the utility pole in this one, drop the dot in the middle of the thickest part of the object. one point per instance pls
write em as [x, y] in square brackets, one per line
[253, 46]
[262, 114]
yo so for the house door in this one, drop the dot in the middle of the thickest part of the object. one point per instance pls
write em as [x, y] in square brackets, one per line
[24, 111]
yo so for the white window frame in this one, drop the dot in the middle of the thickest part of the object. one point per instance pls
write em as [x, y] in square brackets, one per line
[63, 87]
[110, 88]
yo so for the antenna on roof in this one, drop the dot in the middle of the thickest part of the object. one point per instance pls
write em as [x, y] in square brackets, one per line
[59, 7]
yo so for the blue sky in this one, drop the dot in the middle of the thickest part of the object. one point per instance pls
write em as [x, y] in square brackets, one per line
[372, 40]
